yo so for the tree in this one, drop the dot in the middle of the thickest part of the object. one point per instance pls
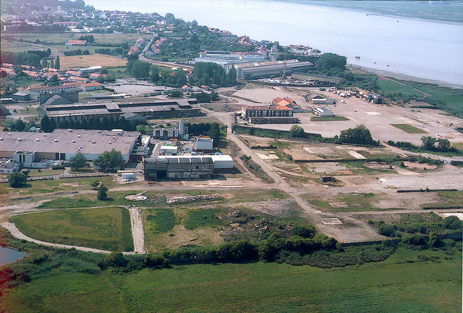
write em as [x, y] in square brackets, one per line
[109, 160]
[214, 133]
[303, 231]
[359, 135]
[57, 63]
[443, 144]
[428, 142]
[17, 179]
[78, 161]
[297, 131]
[327, 61]
[387, 230]
[94, 184]
[452, 222]
[102, 192]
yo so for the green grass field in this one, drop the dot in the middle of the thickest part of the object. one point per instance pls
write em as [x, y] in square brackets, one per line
[160, 220]
[391, 87]
[328, 118]
[402, 283]
[409, 128]
[106, 228]
[201, 218]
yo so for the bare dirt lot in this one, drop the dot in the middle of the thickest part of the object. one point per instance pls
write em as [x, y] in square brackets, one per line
[377, 118]
[80, 61]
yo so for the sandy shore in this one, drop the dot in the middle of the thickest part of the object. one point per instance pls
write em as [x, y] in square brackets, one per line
[406, 77]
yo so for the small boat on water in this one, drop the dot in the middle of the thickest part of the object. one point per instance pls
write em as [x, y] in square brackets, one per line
[357, 58]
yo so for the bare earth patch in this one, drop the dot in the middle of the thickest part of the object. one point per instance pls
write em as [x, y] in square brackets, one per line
[82, 61]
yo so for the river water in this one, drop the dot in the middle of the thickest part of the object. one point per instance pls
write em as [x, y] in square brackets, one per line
[421, 48]
[10, 255]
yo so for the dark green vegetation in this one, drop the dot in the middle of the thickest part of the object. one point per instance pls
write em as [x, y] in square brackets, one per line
[201, 218]
[109, 160]
[328, 118]
[409, 128]
[417, 225]
[69, 280]
[160, 220]
[17, 179]
[429, 145]
[105, 228]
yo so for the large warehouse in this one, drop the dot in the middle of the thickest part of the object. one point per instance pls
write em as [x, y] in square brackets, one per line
[270, 69]
[144, 107]
[64, 144]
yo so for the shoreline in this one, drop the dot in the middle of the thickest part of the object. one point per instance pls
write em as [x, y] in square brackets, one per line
[405, 77]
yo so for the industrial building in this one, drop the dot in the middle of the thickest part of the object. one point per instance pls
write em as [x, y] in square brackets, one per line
[224, 59]
[270, 69]
[144, 107]
[185, 167]
[63, 144]
[323, 101]
[178, 167]
[268, 114]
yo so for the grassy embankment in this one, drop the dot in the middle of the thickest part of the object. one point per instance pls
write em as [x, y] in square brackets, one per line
[408, 281]
[103, 228]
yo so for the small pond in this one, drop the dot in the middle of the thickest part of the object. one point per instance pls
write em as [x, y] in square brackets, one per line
[9, 255]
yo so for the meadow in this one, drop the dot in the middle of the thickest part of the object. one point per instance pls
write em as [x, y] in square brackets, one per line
[103, 228]
[409, 128]
[408, 281]
[388, 86]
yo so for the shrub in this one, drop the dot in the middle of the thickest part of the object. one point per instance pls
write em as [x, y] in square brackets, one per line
[17, 179]
[387, 230]
[452, 222]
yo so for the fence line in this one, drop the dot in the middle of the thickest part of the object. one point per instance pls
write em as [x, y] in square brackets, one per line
[61, 176]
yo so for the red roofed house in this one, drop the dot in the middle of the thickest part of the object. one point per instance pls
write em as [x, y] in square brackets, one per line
[268, 114]
[92, 86]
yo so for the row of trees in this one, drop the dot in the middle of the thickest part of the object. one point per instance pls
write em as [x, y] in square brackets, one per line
[433, 144]
[48, 125]
[210, 129]
[214, 74]
[108, 160]
[31, 57]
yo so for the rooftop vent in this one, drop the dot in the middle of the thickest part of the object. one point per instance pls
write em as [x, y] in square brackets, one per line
[78, 136]
[70, 130]
[37, 139]
[73, 141]
[109, 142]
[98, 131]
[1, 139]
[19, 139]
[93, 141]
[55, 140]
[44, 135]
[9, 134]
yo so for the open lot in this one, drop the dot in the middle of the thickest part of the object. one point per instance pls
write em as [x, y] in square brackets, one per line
[377, 118]
[82, 61]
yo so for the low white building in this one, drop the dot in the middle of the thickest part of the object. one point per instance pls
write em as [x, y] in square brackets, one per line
[169, 150]
[322, 112]
[204, 144]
